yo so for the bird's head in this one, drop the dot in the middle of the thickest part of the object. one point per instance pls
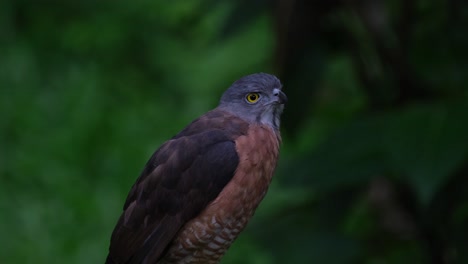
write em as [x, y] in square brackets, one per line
[256, 98]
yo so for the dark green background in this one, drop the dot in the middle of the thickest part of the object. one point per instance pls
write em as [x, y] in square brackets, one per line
[374, 158]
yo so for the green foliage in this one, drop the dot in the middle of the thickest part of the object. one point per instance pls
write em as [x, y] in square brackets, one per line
[373, 166]
[423, 144]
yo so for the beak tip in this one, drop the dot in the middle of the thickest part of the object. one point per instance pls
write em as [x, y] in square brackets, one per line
[283, 99]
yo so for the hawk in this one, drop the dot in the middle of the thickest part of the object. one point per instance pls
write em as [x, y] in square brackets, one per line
[199, 189]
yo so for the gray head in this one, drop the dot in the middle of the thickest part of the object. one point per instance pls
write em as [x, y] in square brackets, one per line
[256, 98]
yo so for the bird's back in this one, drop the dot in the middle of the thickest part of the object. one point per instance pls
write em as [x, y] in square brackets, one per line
[200, 188]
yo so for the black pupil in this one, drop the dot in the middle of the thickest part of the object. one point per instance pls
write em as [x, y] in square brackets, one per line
[253, 97]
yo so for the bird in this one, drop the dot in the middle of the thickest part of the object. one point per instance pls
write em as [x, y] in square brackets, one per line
[198, 191]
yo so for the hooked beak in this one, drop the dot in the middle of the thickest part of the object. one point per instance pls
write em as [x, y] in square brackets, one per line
[281, 97]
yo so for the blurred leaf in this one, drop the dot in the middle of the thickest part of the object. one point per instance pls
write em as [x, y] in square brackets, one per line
[426, 144]
[423, 144]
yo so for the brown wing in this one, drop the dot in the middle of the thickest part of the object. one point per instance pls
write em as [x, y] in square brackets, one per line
[178, 182]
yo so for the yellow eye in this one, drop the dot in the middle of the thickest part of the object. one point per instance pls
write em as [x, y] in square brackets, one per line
[252, 97]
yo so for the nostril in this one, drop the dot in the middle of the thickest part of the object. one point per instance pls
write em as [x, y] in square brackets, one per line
[276, 92]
